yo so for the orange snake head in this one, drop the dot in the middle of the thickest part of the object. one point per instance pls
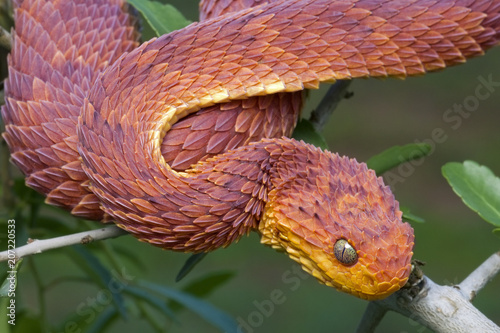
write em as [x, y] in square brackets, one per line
[341, 223]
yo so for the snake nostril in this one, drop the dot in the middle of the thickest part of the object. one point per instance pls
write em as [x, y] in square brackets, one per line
[344, 252]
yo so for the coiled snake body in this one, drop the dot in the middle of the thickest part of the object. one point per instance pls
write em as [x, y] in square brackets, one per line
[112, 136]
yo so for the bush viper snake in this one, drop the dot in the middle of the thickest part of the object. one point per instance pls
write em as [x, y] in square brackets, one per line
[114, 131]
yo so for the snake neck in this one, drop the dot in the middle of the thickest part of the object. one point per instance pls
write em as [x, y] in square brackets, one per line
[248, 175]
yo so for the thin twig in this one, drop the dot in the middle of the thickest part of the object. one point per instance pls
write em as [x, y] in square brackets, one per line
[371, 318]
[38, 246]
[328, 104]
[476, 280]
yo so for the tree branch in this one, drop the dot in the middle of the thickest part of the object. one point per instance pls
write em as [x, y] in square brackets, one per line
[336, 92]
[38, 246]
[372, 317]
[476, 280]
[439, 308]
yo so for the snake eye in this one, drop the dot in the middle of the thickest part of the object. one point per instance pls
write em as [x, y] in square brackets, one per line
[344, 252]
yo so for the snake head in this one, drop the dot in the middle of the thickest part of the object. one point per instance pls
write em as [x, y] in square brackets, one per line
[337, 219]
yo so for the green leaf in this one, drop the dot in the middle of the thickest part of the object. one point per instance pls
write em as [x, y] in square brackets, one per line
[153, 300]
[204, 286]
[4, 289]
[305, 131]
[11, 277]
[4, 325]
[133, 256]
[28, 322]
[190, 263]
[496, 232]
[99, 273]
[396, 155]
[162, 18]
[478, 187]
[409, 216]
[103, 320]
[205, 310]
[88, 319]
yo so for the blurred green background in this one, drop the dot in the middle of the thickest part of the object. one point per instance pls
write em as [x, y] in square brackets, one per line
[380, 114]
